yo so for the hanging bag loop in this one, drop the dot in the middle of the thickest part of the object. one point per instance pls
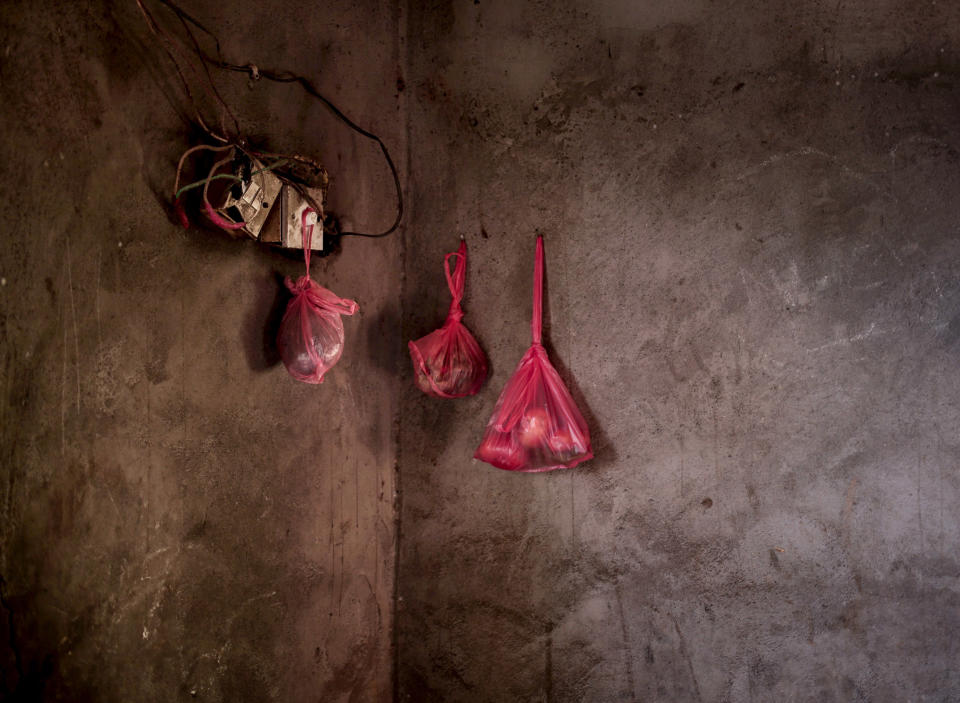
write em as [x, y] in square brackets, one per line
[306, 234]
[536, 322]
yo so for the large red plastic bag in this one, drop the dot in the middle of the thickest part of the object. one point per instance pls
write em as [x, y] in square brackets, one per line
[310, 340]
[536, 426]
[448, 362]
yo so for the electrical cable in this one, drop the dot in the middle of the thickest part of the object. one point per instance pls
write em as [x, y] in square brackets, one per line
[211, 213]
[280, 77]
[158, 31]
[213, 87]
[202, 181]
[309, 87]
[183, 158]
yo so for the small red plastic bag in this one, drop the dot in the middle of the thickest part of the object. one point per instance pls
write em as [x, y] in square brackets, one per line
[448, 362]
[310, 340]
[536, 426]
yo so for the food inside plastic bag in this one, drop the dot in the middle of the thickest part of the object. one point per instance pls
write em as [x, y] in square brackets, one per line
[536, 426]
[448, 362]
[310, 340]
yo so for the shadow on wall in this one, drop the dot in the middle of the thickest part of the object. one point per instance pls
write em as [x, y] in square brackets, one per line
[24, 673]
[389, 358]
[262, 323]
[604, 453]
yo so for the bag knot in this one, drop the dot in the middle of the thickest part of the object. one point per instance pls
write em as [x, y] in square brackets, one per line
[301, 285]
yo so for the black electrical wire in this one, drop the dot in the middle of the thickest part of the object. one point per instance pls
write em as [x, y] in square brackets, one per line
[213, 87]
[289, 77]
[168, 47]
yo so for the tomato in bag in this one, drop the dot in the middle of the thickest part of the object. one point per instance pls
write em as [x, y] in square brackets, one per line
[536, 426]
[448, 362]
[310, 340]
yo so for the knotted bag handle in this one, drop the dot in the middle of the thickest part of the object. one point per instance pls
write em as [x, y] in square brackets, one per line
[317, 294]
[456, 281]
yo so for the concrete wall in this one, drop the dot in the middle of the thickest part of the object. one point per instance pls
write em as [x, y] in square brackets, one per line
[180, 519]
[753, 274]
[752, 286]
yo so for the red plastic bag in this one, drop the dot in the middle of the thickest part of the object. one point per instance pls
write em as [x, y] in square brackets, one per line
[536, 426]
[448, 362]
[310, 340]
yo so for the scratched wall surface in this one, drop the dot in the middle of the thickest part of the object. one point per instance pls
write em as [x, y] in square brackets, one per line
[181, 520]
[753, 272]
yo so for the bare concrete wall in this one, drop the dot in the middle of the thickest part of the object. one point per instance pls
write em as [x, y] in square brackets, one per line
[752, 281]
[751, 226]
[181, 520]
